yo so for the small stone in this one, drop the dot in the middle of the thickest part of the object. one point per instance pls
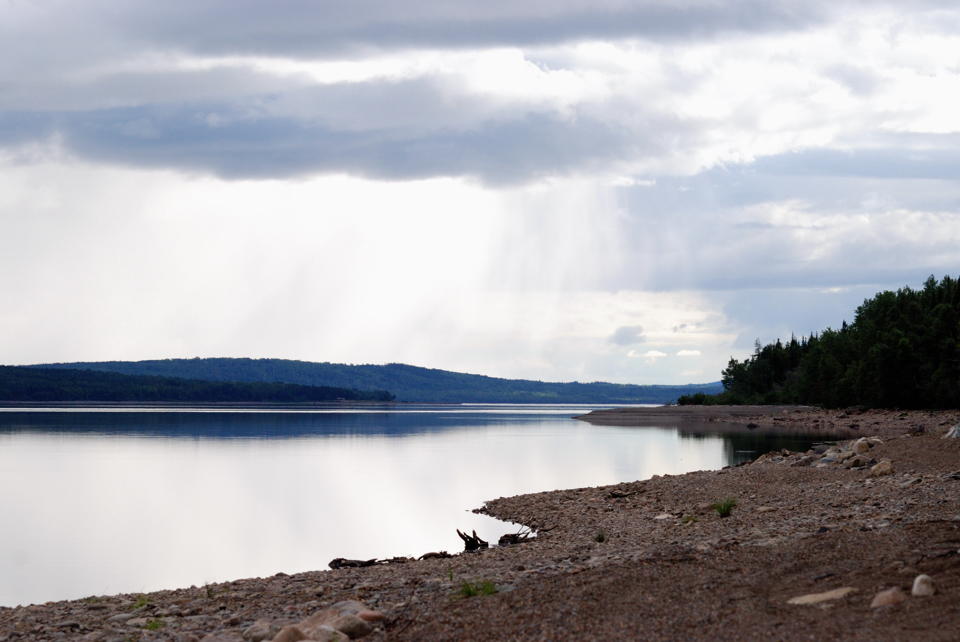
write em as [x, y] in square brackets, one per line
[858, 461]
[707, 506]
[370, 615]
[430, 585]
[224, 636]
[817, 598]
[289, 633]
[888, 598]
[259, 630]
[881, 469]
[351, 625]
[953, 433]
[664, 516]
[804, 461]
[326, 634]
[923, 586]
[767, 509]
[861, 447]
[137, 621]
[844, 456]
[318, 620]
[120, 618]
[67, 624]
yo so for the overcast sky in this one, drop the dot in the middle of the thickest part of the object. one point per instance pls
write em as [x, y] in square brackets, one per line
[563, 190]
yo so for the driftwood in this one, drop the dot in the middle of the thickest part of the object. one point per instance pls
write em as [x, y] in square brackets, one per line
[442, 555]
[396, 560]
[342, 563]
[512, 539]
[472, 543]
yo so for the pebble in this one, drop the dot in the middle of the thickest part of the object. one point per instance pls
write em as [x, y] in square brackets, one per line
[817, 598]
[375, 616]
[888, 597]
[881, 469]
[120, 618]
[923, 586]
[857, 461]
[223, 636]
[259, 630]
[767, 509]
[288, 633]
[860, 447]
[804, 461]
[664, 516]
[352, 625]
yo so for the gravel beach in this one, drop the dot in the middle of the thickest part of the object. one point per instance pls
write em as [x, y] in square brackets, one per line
[827, 544]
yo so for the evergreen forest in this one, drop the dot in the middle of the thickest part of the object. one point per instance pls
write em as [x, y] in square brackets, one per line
[900, 351]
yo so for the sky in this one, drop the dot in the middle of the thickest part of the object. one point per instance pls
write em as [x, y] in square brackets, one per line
[616, 190]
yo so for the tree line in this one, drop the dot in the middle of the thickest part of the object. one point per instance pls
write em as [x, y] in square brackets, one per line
[408, 383]
[22, 384]
[900, 351]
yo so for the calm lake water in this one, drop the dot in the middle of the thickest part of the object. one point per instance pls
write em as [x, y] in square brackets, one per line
[98, 502]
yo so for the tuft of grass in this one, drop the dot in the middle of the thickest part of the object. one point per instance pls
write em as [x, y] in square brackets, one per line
[450, 570]
[689, 518]
[142, 600]
[154, 624]
[600, 537]
[725, 507]
[486, 587]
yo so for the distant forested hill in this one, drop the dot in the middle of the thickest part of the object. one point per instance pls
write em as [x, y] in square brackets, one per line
[408, 383]
[46, 385]
[902, 350]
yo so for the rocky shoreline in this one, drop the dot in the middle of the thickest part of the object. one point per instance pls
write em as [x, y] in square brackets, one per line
[825, 544]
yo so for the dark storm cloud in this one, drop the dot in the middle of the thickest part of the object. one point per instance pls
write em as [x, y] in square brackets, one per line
[381, 130]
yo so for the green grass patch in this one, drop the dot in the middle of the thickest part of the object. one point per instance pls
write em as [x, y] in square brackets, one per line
[689, 518]
[486, 587]
[154, 624]
[142, 600]
[600, 537]
[725, 507]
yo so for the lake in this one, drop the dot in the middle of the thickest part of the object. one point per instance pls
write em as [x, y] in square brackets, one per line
[105, 501]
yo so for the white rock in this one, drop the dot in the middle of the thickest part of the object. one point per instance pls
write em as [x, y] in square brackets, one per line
[923, 586]
[861, 447]
[816, 598]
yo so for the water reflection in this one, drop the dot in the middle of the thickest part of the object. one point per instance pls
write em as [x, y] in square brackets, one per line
[97, 503]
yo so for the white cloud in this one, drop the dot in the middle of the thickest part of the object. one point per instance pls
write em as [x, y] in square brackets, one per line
[305, 183]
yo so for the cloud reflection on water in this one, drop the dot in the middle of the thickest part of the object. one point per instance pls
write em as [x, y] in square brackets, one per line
[106, 513]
